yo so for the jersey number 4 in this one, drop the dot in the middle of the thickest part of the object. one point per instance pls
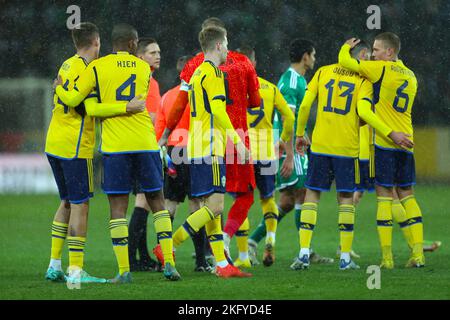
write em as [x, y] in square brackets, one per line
[347, 93]
[120, 96]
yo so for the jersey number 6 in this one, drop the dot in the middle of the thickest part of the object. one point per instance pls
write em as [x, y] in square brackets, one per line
[401, 95]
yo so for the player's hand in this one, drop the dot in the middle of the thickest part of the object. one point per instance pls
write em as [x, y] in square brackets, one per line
[280, 148]
[162, 142]
[243, 153]
[401, 139]
[287, 166]
[57, 82]
[301, 144]
[136, 105]
[352, 42]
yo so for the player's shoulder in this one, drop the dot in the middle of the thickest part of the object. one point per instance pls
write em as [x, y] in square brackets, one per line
[328, 67]
[190, 66]
[172, 91]
[291, 79]
[140, 63]
[237, 56]
[211, 69]
[336, 70]
[194, 62]
[374, 64]
[154, 83]
[265, 84]
[74, 63]
[400, 67]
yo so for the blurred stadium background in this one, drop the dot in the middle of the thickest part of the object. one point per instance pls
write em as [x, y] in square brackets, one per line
[34, 41]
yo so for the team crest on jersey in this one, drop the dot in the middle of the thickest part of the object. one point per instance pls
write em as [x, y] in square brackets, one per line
[224, 180]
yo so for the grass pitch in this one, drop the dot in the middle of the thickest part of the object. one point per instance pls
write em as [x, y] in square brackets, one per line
[25, 249]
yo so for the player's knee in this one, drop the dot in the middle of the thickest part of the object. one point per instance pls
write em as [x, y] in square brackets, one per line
[171, 206]
[287, 201]
[287, 204]
[194, 205]
[65, 204]
[345, 197]
[216, 209]
[245, 200]
[155, 200]
[404, 191]
[300, 195]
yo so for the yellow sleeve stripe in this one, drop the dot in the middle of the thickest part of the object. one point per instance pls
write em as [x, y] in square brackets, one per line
[216, 172]
[357, 175]
[90, 175]
[372, 161]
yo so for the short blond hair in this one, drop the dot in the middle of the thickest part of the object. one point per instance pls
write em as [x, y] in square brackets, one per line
[209, 36]
[391, 40]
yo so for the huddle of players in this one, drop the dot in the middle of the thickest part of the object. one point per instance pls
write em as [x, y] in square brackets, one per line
[346, 92]
[110, 89]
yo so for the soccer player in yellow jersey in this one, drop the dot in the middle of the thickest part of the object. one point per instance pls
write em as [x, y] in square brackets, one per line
[395, 87]
[208, 130]
[260, 131]
[129, 147]
[342, 96]
[69, 148]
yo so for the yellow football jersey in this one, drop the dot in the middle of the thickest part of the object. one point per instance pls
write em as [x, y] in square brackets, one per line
[395, 87]
[118, 78]
[260, 121]
[70, 135]
[206, 91]
[336, 131]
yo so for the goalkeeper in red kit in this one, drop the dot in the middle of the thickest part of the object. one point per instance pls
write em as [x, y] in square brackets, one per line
[241, 84]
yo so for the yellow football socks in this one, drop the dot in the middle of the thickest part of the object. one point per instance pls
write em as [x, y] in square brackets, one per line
[346, 224]
[119, 237]
[270, 212]
[242, 237]
[192, 224]
[399, 215]
[384, 221]
[308, 221]
[76, 251]
[215, 237]
[163, 228]
[59, 234]
[414, 215]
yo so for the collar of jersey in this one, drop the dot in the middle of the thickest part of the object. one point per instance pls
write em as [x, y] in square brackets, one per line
[121, 52]
[210, 62]
[293, 70]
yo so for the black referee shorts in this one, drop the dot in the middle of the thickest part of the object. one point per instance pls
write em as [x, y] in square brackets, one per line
[177, 188]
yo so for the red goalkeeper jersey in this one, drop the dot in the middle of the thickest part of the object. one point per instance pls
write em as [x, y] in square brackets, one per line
[241, 81]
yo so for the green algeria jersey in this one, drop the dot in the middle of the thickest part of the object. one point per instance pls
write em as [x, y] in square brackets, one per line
[292, 86]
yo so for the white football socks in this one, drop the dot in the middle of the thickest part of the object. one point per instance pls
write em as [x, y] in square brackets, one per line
[55, 264]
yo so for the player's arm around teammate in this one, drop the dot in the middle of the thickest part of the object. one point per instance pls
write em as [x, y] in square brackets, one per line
[134, 154]
[394, 166]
